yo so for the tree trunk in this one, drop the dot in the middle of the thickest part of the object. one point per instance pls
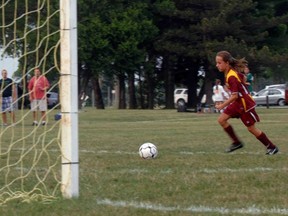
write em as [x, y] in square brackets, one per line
[122, 92]
[131, 90]
[149, 90]
[169, 81]
[99, 104]
[192, 80]
[141, 91]
[83, 83]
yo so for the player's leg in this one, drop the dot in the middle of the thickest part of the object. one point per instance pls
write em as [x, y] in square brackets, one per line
[223, 121]
[4, 118]
[34, 107]
[4, 110]
[249, 119]
[262, 137]
[43, 117]
[35, 118]
[11, 110]
[43, 109]
[12, 113]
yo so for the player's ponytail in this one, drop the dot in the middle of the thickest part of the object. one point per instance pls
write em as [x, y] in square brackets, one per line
[240, 65]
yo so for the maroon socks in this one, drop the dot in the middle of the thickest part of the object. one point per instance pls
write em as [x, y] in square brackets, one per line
[266, 142]
[229, 130]
[262, 138]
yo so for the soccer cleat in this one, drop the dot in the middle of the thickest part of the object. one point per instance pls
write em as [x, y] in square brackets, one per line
[35, 123]
[272, 151]
[43, 123]
[234, 146]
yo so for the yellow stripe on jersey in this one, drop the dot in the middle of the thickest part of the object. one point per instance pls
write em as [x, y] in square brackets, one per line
[233, 73]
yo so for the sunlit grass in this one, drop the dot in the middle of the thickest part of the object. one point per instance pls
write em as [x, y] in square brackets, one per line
[191, 169]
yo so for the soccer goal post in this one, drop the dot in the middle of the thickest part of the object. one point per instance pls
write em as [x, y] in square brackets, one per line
[69, 99]
[39, 158]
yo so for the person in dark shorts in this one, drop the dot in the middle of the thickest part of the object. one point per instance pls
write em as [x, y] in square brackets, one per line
[240, 104]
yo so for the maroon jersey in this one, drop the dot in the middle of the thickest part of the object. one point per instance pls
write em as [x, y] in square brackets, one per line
[236, 85]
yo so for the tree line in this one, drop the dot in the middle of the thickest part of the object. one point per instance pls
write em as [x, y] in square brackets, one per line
[147, 46]
[144, 49]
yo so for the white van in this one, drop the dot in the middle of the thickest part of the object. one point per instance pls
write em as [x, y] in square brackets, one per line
[181, 96]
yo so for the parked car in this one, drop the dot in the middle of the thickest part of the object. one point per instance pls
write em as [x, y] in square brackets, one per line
[52, 99]
[282, 86]
[180, 96]
[274, 96]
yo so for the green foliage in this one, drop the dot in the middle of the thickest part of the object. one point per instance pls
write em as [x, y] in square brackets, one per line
[125, 37]
[163, 7]
[115, 34]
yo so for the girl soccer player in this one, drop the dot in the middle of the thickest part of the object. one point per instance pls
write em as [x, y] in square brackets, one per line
[240, 104]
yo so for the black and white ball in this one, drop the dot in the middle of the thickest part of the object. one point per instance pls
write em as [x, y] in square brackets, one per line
[148, 151]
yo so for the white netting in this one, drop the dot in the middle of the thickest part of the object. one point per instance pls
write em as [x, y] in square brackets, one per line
[30, 156]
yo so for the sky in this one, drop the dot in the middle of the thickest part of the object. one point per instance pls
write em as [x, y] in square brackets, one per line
[10, 64]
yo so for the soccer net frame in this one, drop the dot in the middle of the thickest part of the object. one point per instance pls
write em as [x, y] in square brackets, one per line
[40, 163]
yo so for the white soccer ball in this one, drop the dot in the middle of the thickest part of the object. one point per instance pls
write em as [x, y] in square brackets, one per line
[148, 151]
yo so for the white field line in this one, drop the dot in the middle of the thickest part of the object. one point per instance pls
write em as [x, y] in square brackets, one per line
[170, 171]
[181, 152]
[136, 153]
[193, 171]
[252, 210]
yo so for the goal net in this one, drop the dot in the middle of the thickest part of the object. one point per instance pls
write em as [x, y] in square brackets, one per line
[31, 156]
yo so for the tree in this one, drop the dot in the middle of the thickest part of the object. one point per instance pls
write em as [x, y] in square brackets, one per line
[119, 29]
[198, 29]
[147, 45]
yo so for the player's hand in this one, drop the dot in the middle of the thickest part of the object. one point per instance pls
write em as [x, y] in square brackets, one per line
[219, 106]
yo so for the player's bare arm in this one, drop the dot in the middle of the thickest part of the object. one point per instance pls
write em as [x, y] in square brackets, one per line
[232, 98]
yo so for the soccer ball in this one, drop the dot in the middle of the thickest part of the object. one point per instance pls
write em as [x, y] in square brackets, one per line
[148, 151]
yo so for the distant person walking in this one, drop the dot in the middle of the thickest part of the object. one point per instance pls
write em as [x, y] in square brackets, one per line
[8, 94]
[240, 104]
[38, 86]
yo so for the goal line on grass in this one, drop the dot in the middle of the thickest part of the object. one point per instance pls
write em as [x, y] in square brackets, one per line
[250, 210]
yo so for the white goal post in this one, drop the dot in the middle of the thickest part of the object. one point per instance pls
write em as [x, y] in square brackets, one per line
[40, 161]
[69, 99]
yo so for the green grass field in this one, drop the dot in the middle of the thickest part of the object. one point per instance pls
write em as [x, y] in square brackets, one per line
[191, 175]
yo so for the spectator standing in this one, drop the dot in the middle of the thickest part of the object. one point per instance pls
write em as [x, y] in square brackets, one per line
[8, 94]
[218, 93]
[249, 79]
[38, 86]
